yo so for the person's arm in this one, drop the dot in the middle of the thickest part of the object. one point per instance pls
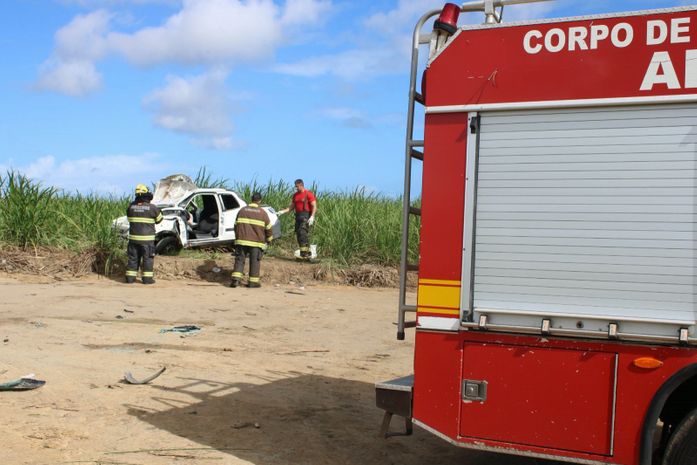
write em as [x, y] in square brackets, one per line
[313, 208]
[290, 208]
[158, 215]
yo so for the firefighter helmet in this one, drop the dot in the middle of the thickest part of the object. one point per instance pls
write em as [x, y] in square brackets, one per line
[141, 189]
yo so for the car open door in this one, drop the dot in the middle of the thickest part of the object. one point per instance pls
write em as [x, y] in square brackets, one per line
[231, 205]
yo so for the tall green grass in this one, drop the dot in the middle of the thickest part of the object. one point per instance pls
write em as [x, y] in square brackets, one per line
[352, 227]
[32, 215]
[25, 211]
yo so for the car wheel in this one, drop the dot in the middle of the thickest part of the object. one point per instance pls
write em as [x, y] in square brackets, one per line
[168, 245]
[682, 444]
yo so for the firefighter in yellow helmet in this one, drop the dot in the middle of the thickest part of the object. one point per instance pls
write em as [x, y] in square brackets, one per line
[142, 218]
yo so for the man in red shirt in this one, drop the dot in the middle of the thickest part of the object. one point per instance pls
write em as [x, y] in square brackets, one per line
[304, 205]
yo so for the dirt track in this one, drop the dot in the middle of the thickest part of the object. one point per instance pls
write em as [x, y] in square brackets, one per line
[280, 375]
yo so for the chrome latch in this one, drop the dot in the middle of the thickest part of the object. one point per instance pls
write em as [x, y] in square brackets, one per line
[684, 336]
[483, 322]
[473, 390]
[546, 328]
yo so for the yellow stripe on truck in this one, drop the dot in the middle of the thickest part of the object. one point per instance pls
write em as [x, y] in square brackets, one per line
[440, 282]
[439, 296]
[440, 311]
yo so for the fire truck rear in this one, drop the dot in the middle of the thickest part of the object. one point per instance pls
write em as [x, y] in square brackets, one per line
[555, 314]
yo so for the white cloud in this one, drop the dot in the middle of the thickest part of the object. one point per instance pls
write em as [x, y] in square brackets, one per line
[352, 65]
[71, 69]
[384, 48]
[201, 32]
[102, 3]
[299, 12]
[75, 78]
[116, 173]
[83, 38]
[206, 31]
[349, 117]
[388, 50]
[198, 106]
[213, 33]
[403, 17]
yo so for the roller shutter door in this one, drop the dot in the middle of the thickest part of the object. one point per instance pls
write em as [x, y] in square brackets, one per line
[587, 212]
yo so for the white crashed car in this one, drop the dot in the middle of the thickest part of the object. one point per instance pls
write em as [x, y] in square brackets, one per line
[195, 217]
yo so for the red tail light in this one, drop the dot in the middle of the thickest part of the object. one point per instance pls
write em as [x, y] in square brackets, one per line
[447, 21]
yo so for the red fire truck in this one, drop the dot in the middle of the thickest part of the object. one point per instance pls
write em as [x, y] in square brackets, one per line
[556, 312]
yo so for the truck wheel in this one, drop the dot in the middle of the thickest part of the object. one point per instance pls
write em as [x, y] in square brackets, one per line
[168, 245]
[682, 444]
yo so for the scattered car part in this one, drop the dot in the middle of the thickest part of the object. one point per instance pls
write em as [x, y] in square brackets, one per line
[128, 377]
[25, 383]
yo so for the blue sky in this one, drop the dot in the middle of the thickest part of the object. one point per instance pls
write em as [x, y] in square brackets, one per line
[99, 95]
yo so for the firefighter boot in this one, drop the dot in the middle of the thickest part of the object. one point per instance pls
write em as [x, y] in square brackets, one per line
[235, 282]
[254, 281]
[130, 279]
[148, 281]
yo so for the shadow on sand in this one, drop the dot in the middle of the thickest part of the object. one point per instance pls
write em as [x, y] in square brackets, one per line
[295, 418]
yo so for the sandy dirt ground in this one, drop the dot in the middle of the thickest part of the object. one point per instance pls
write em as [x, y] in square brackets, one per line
[279, 375]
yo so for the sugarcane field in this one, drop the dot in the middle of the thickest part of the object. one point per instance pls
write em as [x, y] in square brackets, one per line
[308, 232]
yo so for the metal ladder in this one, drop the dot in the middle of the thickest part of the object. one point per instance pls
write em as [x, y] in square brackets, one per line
[414, 147]
[412, 152]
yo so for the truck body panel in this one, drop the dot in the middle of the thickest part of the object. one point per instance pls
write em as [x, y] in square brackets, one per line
[557, 289]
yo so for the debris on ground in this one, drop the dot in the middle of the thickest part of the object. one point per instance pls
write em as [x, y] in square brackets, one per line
[185, 329]
[247, 424]
[128, 377]
[25, 383]
[309, 351]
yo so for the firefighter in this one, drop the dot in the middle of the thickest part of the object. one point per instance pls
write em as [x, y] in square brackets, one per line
[142, 217]
[304, 204]
[252, 235]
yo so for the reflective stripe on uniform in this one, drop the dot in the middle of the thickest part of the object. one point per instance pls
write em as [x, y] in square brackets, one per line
[254, 280]
[236, 274]
[304, 249]
[131, 273]
[159, 218]
[241, 242]
[148, 274]
[269, 227]
[133, 237]
[132, 219]
[252, 222]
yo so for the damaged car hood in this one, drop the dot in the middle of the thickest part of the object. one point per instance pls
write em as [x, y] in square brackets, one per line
[173, 189]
